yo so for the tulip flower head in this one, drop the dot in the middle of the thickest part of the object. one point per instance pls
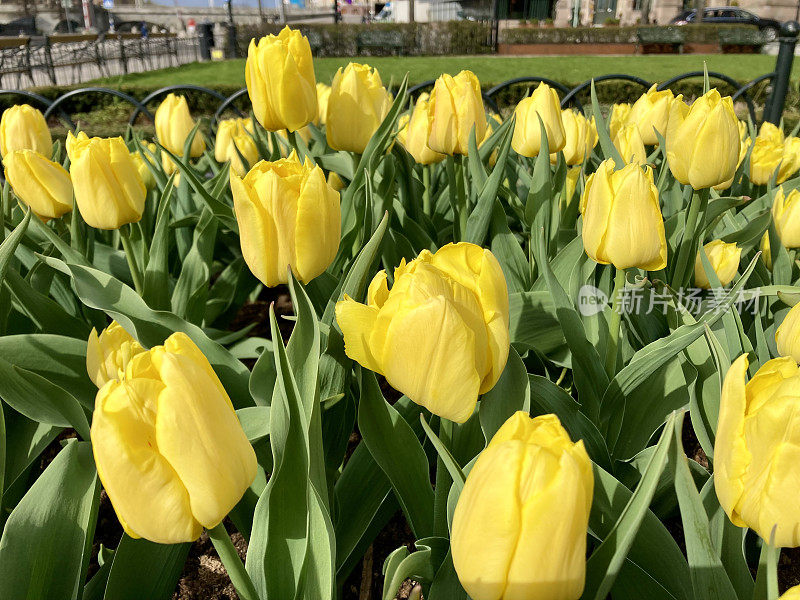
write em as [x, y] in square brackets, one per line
[455, 108]
[174, 123]
[651, 113]
[766, 156]
[108, 354]
[618, 118]
[580, 137]
[357, 105]
[628, 142]
[22, 127]
[541, 104]
[787, 336]
[724, 259]
[40, 183]
[755, 454]
[413, 136]
[790, 162]
[440, 334]
[519, 528]
[288, 215]
[141, 159]
[109, 190]
[233, 135]
[703, 140]
[622, 222]
[279, 74]
[169, 448]
[323, 94]
[791, 594]
[786, 217]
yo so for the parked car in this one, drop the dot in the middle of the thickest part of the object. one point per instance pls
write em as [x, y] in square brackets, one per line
[732, 15]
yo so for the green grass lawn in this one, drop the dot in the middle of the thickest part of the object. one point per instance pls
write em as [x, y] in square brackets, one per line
[491, 70]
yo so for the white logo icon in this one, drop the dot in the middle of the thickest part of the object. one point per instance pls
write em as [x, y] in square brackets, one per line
[591, 300]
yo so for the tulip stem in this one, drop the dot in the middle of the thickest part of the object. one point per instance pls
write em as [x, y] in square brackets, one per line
[136, 275]
[614, 323]
[690, 243]
[443, 482]
[232, 563]
[426, 193]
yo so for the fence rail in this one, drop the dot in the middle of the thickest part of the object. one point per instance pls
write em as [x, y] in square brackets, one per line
[70, 59]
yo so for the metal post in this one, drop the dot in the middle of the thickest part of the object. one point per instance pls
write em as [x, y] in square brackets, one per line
[231, 31]
[783, 69]
[123, 59]
[495, 26]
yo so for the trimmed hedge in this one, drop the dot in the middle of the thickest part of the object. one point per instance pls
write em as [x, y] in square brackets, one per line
[695, 34]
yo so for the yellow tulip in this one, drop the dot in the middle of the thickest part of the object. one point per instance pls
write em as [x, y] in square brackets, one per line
[279, 74]
[790, 163]
[22, 127]
[573, 175]
[651, 113]
[357, 105]
[288, 215]
[791, 594]
[771, 132]
[619, 117]
[108, 354]
[703, 140]
[766, 252]
[542, 103]
[786, 216]
[456, 107]
[413, 136]
[440, 335]
[630, 145]
[169, 448]
[519, 528]
[323, 94]
[40, 183]
[724, 259]
[765, 158]
[580, 137]
[108, 188]
[787, 336]
[174, 123]
[142, 160]
[756, 449]
[622, 222]
[233, 134]
[335, 181]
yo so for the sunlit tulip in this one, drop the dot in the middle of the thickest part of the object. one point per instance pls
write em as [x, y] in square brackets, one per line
[622, 222]
[786, 216]
[724, 259]
[108, 354]
[519, 528]
[233, 135]
[765, 158]
[703, 140]
[168, 445]
[791, 594]
[357, 105]
[628, 142]
[335, 181]
[288, 215]
[323, 93]
[787, 336]
[580, 137]
[651, 113]
[455, 108]
[619, 117]
[440, 335]
[766, 252]
[174, 123]
[108, 188]
[755, 453]
[790, 163]
[40, 183]
[542, 103]
[414, 135]
[142, 160]
[279, 74]
[22, 127]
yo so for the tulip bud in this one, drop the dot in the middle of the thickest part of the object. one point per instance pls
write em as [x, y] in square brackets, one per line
[233, 134]
[790, 162]
[335, 181]
[174, 123]
[40, 183]
[141, 160]
[724, 259]
[520, 524]
[651, 113]
[754, 452]
[456, 107]
[108, 354]
[630, 145]
[280, 81]
[619, 117]
[22, 127]
[413, 136]
[622, 222]
[323, 94]
[169, 448]
[766, 252]
[108, 188]
[573, 175]
[580, 135]
[357, 105]
[288, 215]
[787, 336]
[765, 159]
[786, 216]
[703, 140]
[542, 103]
[440, 335]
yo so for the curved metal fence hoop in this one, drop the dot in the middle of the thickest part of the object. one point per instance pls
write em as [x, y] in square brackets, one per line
[532, 79]
[90, 90]
[713, 75]
[26, 94]
[751, 84]
[414, 89]
[142, 108]
[229, 102]
[573, 93]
